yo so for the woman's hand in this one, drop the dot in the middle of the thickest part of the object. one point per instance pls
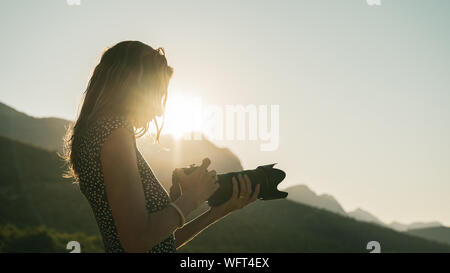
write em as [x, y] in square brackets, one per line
[175, 189]
[238, 201]
[197, 186]
[194, 227]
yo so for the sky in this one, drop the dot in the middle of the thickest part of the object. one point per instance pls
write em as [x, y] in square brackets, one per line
[363, 91]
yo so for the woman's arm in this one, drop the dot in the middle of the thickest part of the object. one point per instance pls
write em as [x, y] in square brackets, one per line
[194, 227]
[139, 231]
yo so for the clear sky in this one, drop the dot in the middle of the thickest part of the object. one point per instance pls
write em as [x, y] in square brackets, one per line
[363, 91]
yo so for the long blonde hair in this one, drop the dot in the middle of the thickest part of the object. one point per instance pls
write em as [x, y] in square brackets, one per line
[131, 79]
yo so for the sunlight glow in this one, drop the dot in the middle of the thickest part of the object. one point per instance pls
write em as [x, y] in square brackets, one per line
[181, 117]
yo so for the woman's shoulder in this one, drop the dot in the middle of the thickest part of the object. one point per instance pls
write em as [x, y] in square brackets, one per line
[102, 128]
[113, 122]
[109, 123]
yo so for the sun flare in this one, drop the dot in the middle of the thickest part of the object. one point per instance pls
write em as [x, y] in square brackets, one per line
[180, 116]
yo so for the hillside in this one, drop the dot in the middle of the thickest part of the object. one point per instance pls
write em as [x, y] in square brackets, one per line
[48, 133]
[33, 192]
[302, 194]
[438, 234]
[39, 210]
[415, 225]
[44, 132]
[44, 240]
[286, 226]
[364, 216]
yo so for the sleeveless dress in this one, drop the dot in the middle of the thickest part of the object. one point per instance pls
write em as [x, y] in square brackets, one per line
[92, 184]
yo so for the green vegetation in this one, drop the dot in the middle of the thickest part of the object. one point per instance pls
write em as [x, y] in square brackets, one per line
[33, 192]
[44, 240]
[43, 132]
[438, 234]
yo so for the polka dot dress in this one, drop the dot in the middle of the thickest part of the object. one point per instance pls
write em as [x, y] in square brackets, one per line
[93, 187]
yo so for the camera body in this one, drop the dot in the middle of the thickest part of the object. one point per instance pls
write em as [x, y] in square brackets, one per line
[266, 175]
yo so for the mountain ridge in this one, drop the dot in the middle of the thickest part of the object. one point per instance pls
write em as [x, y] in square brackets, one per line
[45, 132]
[303, 194]
[48, 132]
[33, 193]
[37, 194]
[438, 234]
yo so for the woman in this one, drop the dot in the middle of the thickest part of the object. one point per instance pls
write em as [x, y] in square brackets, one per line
[127, 91]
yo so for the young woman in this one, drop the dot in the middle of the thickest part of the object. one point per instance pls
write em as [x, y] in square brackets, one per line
[127, 91]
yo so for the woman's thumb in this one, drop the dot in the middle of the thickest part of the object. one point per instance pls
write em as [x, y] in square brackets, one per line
[205, 164]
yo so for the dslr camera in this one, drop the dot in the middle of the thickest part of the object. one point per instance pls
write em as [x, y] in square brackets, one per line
[266, 175]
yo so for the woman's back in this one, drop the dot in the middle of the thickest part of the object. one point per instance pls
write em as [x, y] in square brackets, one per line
[92, 184]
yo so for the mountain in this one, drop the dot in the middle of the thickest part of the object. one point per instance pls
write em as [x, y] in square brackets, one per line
[170, 154]
[40, 211]
[438, 234]
[287, 226]
[302, 194]
[33, 192]
[364, 216]
[48, 133]
[416, 225]
[45, 208]
[44, 132]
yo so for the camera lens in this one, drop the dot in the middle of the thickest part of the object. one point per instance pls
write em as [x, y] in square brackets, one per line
[266, 175]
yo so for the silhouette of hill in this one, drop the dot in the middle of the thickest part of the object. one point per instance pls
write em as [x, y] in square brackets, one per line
[416, 225]
[31, 183]
[287, 226]
[32, 194]
[438, 234]
[44, 132]
[364, 216]
[49, 132]
[39, 210]
[302, 194]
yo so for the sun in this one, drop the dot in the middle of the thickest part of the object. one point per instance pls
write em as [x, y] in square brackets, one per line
[181, 116]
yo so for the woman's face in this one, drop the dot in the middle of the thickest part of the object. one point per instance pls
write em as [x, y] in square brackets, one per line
[148, 109]
[146, 97]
